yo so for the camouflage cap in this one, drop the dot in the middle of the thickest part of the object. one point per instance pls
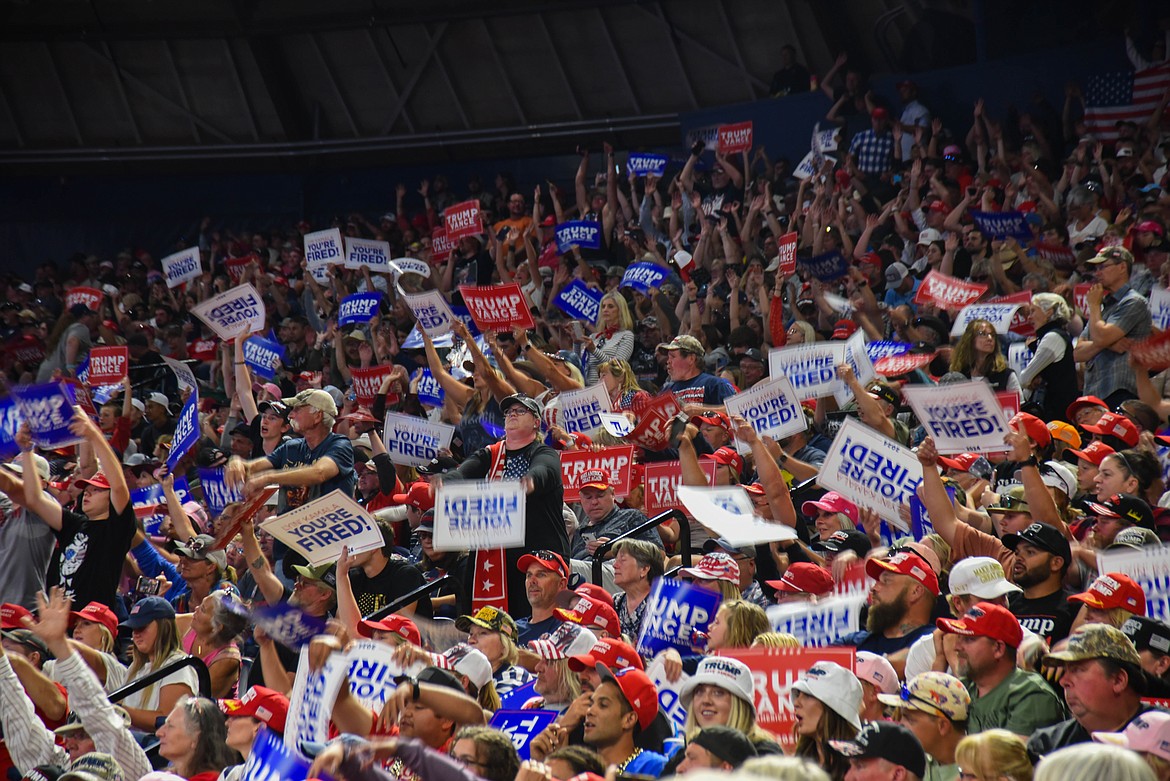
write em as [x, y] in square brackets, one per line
[1096, 641]
[686, 343]
[488, 618]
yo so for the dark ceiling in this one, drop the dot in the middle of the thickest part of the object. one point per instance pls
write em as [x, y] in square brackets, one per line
[124, 84]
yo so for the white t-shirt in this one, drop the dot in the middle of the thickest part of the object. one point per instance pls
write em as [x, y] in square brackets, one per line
[147, 699]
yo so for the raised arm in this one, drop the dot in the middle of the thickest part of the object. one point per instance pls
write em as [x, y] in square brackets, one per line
[459, 393]
[266, 580]
[36, 500]
[933, 493]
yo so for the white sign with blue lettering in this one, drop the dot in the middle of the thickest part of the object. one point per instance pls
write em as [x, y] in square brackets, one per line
[999, 315]
[323, 248]
[871, 471]
[963, 417]
[581, 410]
[811, 368]
[479, 515]
[821, 623]
[319, 529]
[432, 312]
[233, 312]
[772, 407]
[1160, 307]
[858, 359]
[183, 373]
[643, 163]
[182, 267]
[413, 441]
[400, 266]
[311, 700]
[373, 254]
[727, 513]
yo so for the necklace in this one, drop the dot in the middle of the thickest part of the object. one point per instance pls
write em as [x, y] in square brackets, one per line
[622, 767]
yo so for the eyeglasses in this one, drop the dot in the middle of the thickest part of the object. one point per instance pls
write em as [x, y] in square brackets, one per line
[515, 412]
[1011, 502]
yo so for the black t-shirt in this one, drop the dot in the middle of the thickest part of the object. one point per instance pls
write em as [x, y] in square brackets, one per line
[90, 554]
[397, 578]
[1049, 616]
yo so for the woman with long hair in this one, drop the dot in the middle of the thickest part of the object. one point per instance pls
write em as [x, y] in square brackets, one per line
[613, 335]
[826, 702]
[193, 740]
[737, 624]
[978, 355]
[155, 639]
[720, 693]
[1050, 378]
[624, 392]
[94, 633]
[211, 633]
[1127, 472]
[480, 421]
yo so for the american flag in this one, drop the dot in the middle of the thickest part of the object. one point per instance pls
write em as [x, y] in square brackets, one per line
[1112, 97]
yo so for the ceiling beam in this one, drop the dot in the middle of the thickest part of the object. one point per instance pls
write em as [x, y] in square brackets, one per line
[122, 92]
[617, 58]
[386, 71]
[507, 81]
[556, 54]
[239, 80]
[659, 14]
[182, 90]
[416, 73]
[50, 50]
[334, 86]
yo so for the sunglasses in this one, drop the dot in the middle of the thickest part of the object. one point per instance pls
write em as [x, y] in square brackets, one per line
[908, 696]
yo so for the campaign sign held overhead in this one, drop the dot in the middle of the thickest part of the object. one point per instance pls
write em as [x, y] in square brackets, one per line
[233, 312]
[375, 255]
[48, 410]
[871, 471]
[963, 417]
[677, 613]
[579, 301]
[182, 267]
[107, 365]
[263, 356]
[414, 441]
[772, 407]
[186, 430]
[462, 220]
[358, 308]
[323, 248]
[578, 233]
[643, 163]
[497, 307]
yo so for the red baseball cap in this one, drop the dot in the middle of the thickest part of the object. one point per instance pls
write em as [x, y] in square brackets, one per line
[553, 562]
[715, 418]
[843, 329]
[962, 462]
[639, 691]
[1113, 425]
[804, 578]
[595, 592]
[593, 478]
[728, 457]
[1113, 589]
[905, 563]
[399, 625]
[1030, 425]
[1094, 452]
[755, 488]
[99, 614]
[99, 480]
[1080, 404]
[418, 496]
[10, 615]
[590, 613]
[262, 704]
[986, 619]
[832, 502]
[613, 653]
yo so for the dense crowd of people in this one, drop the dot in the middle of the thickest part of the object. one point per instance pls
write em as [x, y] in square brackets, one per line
[991, 647]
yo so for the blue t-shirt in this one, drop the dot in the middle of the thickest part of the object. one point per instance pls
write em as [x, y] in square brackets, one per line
[703, 388]
[296, 452]
[647, 763]
[895, 299]
[526, 631]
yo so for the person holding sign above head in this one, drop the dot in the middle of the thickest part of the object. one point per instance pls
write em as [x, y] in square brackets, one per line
[92, 544]
[876, 405]
[522, 456]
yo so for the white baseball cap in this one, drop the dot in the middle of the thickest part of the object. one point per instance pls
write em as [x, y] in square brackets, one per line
[980, 576]
[42, 467]
[877, 669]
[468, 661]
[726, 673]
[836, 688]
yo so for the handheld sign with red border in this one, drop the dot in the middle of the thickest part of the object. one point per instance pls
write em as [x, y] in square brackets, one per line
[246, 513]
[107, 365]
[497, 307]
[947, 292]
[662, 481]
[774, 670]
[366, 382]
[653, 429]
[1081, 296]
[1009, 402]
[1153, 352]
[735, 138]
[89, 296]
[462, 220]
[897, 365]
[614, 461]
[787, 247]
[441, 246]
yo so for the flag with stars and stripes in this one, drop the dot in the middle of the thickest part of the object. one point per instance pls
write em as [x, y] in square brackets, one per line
[1123, 95]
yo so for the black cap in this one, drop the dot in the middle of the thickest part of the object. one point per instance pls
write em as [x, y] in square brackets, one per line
[436, 677]
[934, 324]
[277, 407]
[884, 392]
[1129, 508]
[847, 539]
[1148, 634]
[752, 353]
[726, 743]
[438, 466]
[1044, 536]
[885, 740]
[44, 773]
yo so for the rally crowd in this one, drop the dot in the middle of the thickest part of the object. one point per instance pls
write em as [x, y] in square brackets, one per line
[989, 646]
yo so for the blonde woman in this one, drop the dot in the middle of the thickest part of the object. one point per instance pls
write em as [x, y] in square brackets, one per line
[155, 639]
[993, 755]
[736, 624]
[493, 633]
[624, 392]
[613, 335]
[480, 422]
